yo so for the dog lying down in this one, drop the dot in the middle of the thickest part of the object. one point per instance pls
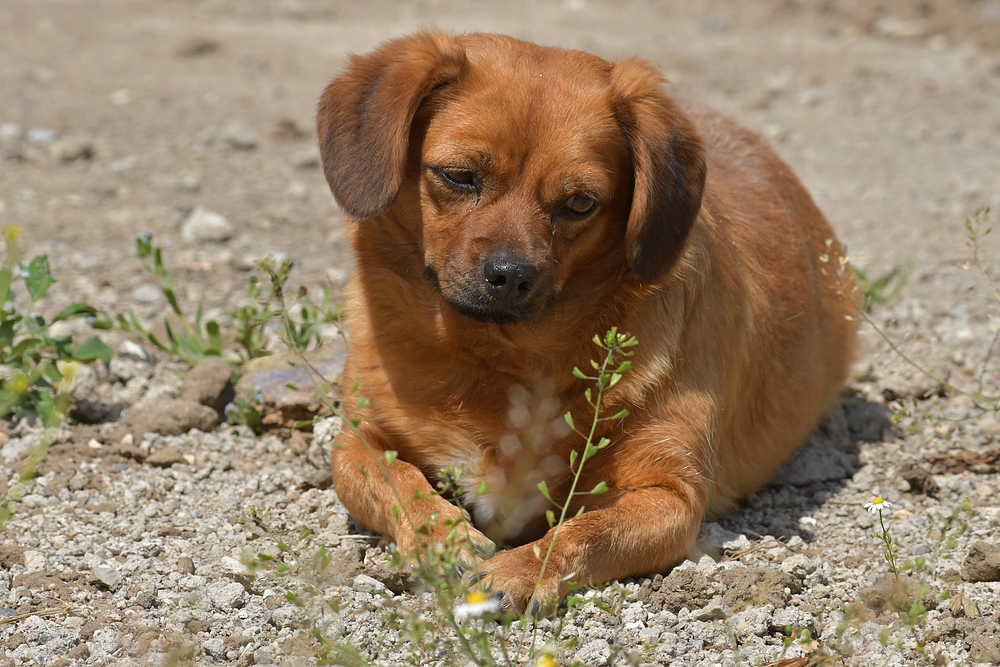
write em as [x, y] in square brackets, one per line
[512, 201]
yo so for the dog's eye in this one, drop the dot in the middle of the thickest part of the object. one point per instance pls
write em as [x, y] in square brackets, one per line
[579, 205]
[462, 180]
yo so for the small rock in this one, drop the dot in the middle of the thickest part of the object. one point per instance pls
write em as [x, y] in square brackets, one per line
[367, 584]
[594, 653]
[208, 384]
[716, 610]
[147, 293]
[750, 622]
[34, 561]
[792, 619]
[169, 416]
[900, 28]
[107, 576]
[215, 647]
[184, 564]
[41, 136]
[715, 540]
[799, 565]
[227, 595]
[203, 225]
[166, 457]
[10, 132]
[238, 134]
[982, 563]
[72, 149]
[287, 390]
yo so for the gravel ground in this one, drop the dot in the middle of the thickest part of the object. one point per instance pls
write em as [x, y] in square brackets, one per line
[193, 120]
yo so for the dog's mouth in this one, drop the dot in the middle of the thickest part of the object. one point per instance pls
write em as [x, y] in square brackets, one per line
[499, 301]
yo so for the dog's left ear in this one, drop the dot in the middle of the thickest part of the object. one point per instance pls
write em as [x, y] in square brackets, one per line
[364, 116]
[669, 163]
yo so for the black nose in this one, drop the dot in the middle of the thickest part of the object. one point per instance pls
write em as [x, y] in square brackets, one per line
[508, 278]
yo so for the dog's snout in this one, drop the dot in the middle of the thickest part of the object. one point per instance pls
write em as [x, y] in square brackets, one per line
[509, 278]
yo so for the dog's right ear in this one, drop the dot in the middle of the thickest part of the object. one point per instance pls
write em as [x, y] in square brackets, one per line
[364, 116]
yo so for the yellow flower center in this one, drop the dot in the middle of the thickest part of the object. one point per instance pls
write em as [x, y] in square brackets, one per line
[877, 501]
[12, 234]
[545, 661]
[476, 597]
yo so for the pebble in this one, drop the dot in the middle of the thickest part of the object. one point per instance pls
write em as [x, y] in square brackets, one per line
[982, 563]
[169, 416]
[716, 610]
[238, 134]
[715, 540]
[367, 584]
[71, 149]
[147, 293]
[185, 565]
[203, 225]
[594, 653]
[107, 576]
[208, 384]
[41, 136]
[10, 132]
[166, 457]
[227, 595]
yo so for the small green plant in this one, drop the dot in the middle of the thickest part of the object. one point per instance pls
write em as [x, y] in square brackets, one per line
[877, 291]
[875, 507]
[198, 339]
[267, 304]
[33, 359]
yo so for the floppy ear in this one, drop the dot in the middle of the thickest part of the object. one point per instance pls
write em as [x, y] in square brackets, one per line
[364, 116]
[669, 163]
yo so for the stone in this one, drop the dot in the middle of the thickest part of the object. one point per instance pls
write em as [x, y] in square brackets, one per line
[716, 610]
[791, 618]
[185, 565]
[982, 563]
[169, 416]
[367, 584]
[238, 134]
[34, 561]
[41, 136]
[714, 540]
[215, 647]
[166, 457]
[106, 576]
[205, 226]
[594, 653]
[287, 391]
[71, 149]
[208, 384]
[800, 565]
[227, 595]
[751, 622]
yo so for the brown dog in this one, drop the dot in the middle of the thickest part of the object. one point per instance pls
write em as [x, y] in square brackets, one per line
[514, 201]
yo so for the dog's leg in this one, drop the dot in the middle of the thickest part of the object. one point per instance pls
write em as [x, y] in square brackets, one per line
[645, 530]
[396, 500]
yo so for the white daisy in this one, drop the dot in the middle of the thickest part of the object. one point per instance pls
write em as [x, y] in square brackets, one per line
[877, 505]
[477, 604]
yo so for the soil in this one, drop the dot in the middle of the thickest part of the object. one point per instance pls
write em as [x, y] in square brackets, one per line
[119, 117]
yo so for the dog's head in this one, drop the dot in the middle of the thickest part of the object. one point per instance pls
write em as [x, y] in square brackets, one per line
[519, 169]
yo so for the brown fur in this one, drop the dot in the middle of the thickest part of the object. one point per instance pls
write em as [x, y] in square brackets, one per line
[702, 244]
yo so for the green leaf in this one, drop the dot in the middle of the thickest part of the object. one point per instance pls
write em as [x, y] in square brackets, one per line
[543, 488]
[603, 442]
[569, 419]
[619, 415]
[362, 403]
[6, 275]
[615, 377]
[573, 455]
[482, 488]
[624, 366]
[214, 337]
[45, 406]
[577, 373]
[390, 456]
[601, 487]
[550, 516]
[37, 278]
[75, 310]
[93, 348]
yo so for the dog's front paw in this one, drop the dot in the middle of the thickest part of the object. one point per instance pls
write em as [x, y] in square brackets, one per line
[458, 537]
[518, 575]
